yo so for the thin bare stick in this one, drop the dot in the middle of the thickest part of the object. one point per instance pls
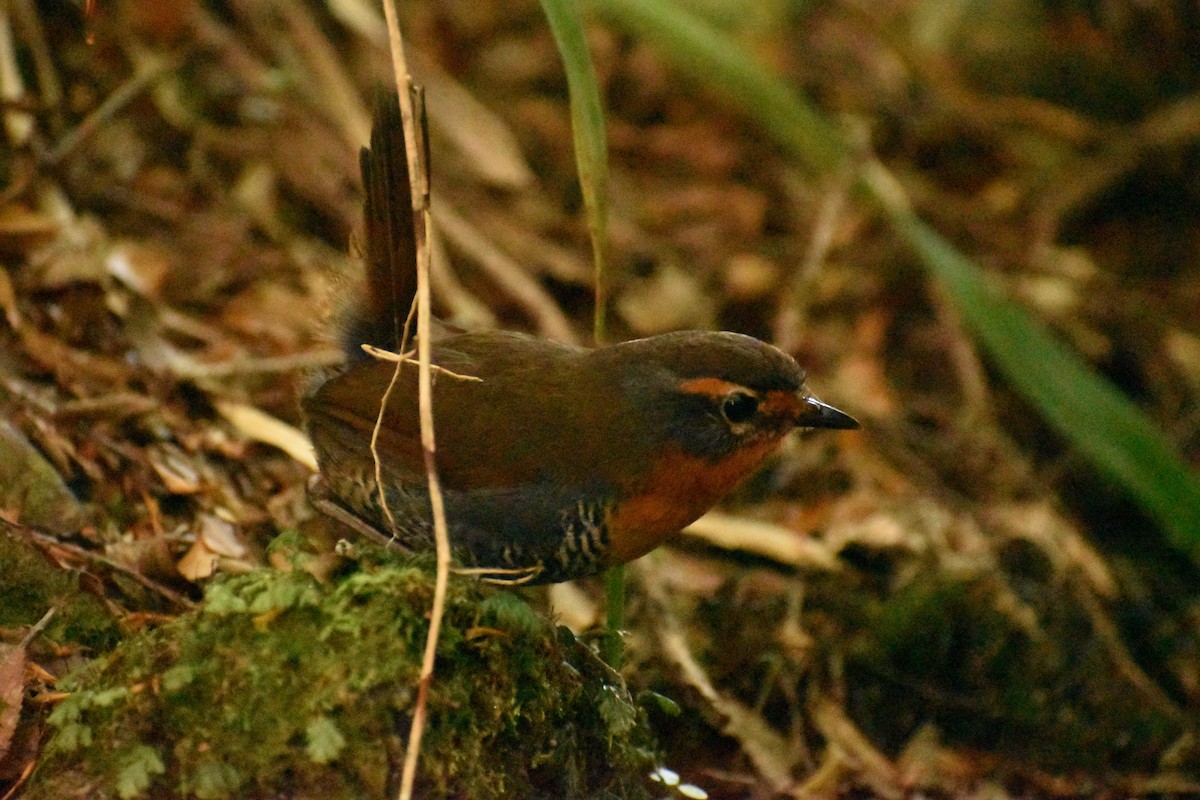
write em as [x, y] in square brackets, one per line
[32, 633]
[48, 541]
[112, 105]
[419, 177]
[332, 509]
[383, 402]
[407, 358]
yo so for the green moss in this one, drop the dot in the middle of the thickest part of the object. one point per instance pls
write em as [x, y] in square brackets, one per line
[279, 684]
[32, 585]
[1033, 681]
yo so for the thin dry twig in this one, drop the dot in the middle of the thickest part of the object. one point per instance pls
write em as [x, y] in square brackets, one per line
[20, 781]
[99, 558]
[332, 509]
[419, 178]
[848, 743]
[1122, 660]
[530, 249]
[378, 429]
[37, 627]
[407, 358]
[123, 96]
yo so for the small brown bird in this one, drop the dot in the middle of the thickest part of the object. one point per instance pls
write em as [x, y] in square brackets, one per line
[559, 461]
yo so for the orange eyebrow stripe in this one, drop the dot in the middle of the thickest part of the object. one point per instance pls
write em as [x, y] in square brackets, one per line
[713, 387]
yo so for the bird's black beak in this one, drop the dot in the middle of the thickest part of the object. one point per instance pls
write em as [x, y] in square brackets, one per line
[816, 414]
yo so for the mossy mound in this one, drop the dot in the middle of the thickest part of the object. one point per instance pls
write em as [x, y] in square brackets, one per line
[283, 686]
[1027, 677]
[31, 585]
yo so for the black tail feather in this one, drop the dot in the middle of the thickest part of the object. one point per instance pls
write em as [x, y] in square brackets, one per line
[389, 243]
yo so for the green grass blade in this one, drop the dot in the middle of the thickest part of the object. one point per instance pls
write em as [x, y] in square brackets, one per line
[591, 148]
[591, 160]
[1099, 421]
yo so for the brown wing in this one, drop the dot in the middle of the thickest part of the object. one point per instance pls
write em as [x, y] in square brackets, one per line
[538, 414]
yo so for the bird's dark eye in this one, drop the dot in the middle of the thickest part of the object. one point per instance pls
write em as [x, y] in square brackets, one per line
[739, 407]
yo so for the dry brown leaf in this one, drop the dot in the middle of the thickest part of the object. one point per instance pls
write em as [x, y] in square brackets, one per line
[518, 235]
[12, 682]
[198, 563]
[270, 312]
[486, 142]
[76, 255]
[179, 472]
[141, 266]
[687, 574]
[863, 374]
[464, 309]
[749, 277]
[262, 427]
[883, 529]
[63, 360]
[925, 763]
[221, 537]
[12, 692]
[1184, 350]
[698, 147]
[150, 556]
[511, 277]
[218, 545]
[23, 230]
